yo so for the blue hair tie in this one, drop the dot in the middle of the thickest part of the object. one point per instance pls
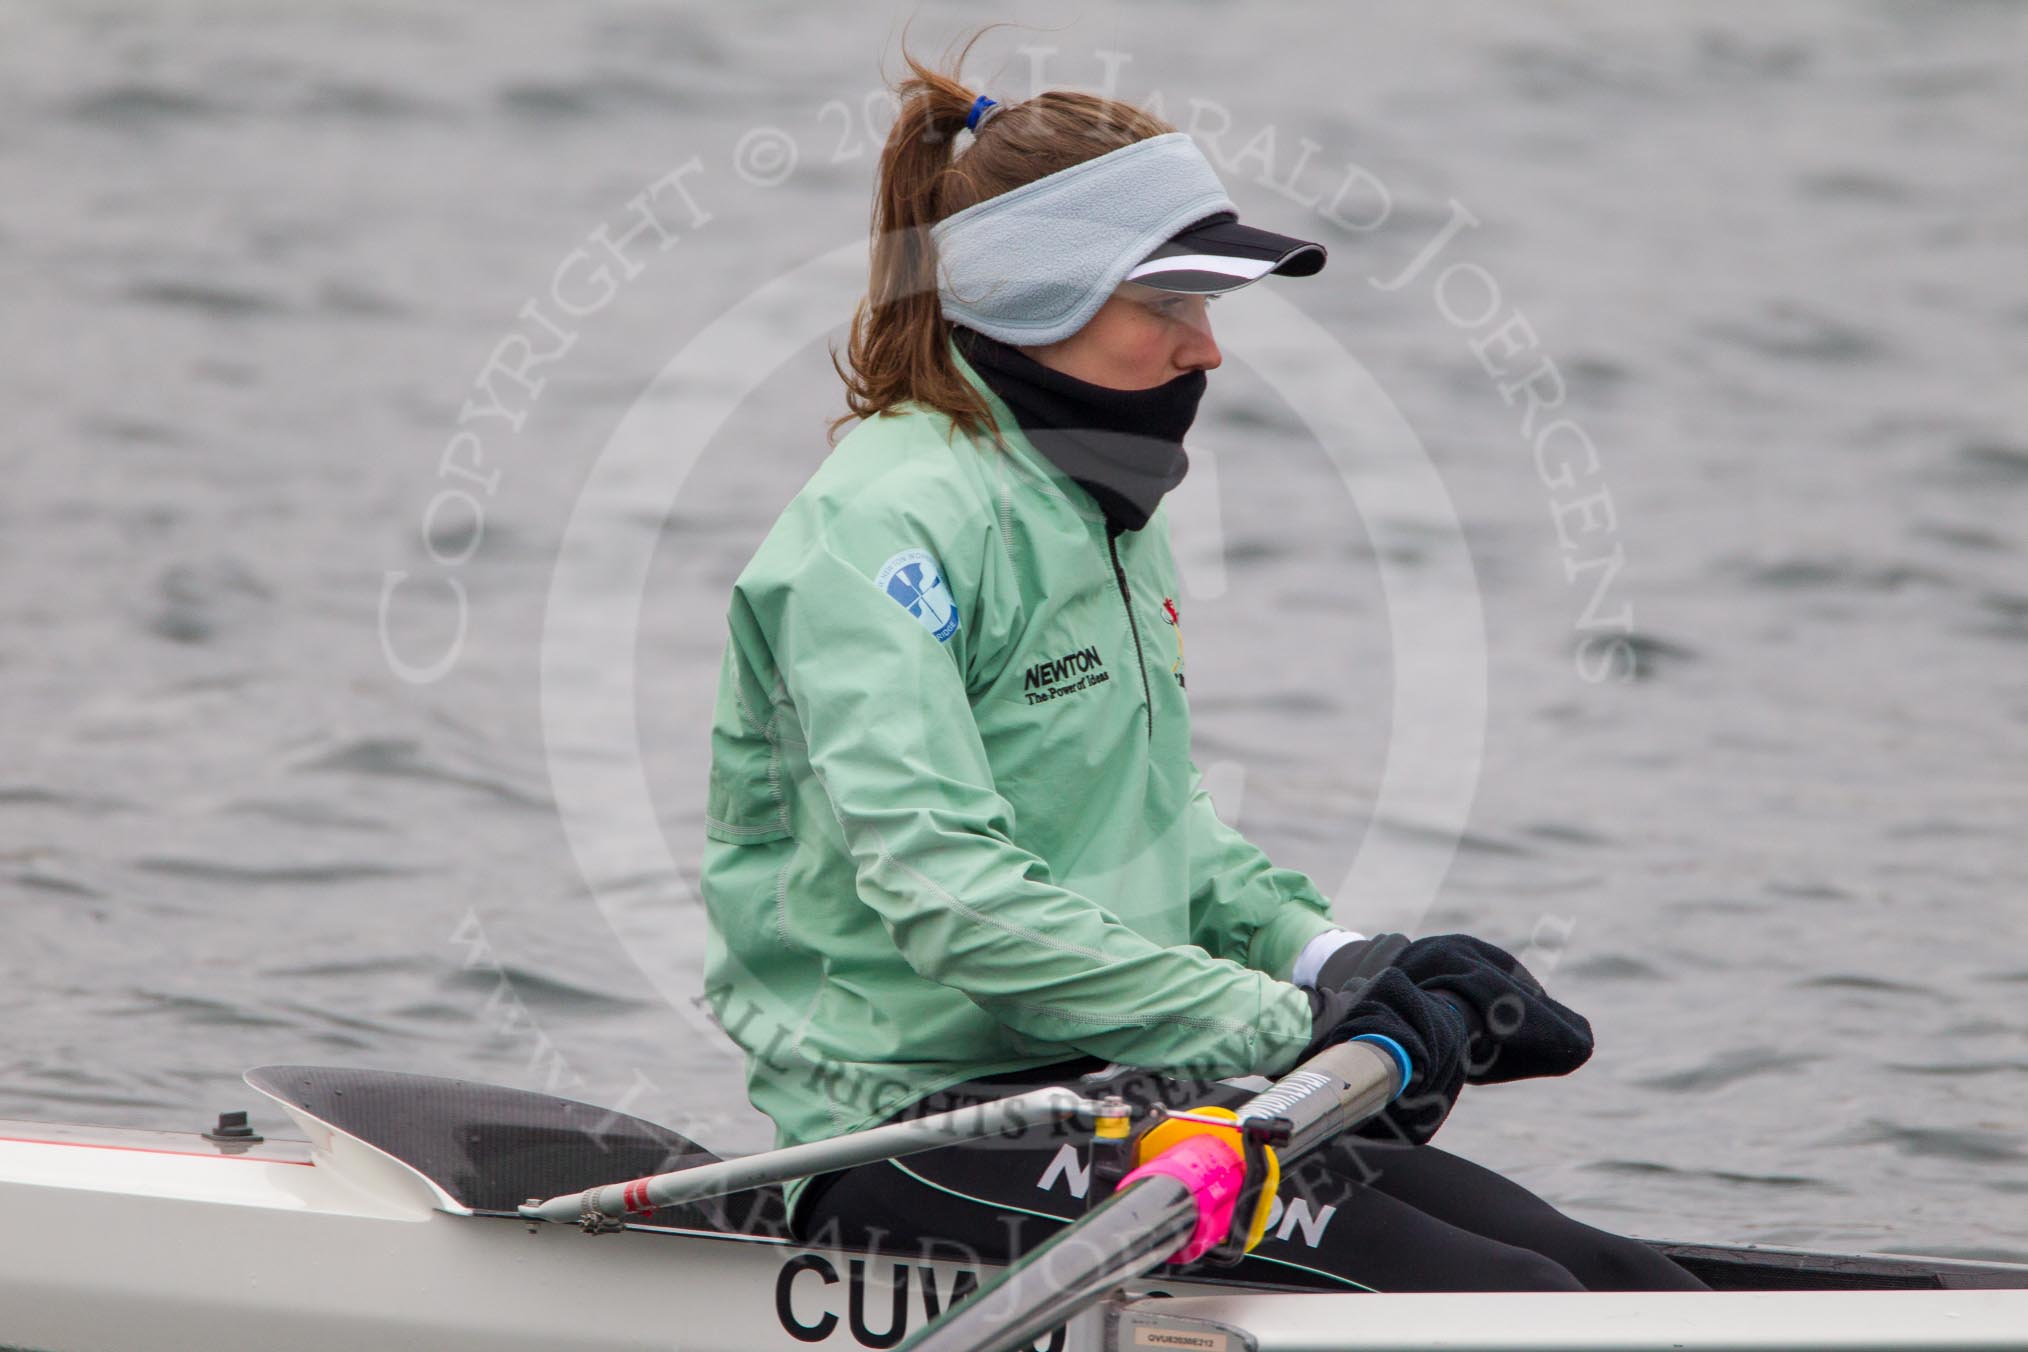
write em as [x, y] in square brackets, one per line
[979, 105]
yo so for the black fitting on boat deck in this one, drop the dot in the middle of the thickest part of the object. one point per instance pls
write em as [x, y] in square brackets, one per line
[232, 1130]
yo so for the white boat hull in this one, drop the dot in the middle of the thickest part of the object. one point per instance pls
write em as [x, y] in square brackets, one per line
[134, 1239]
[1661, 1321]
[127, 1243]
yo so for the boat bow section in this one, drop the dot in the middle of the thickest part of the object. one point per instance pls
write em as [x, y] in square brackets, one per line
[484, 1149]
[376, 1233]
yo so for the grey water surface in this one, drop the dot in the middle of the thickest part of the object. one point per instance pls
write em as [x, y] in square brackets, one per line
[316, 369]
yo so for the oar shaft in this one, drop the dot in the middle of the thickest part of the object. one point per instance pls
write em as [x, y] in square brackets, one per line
[1130, 1233]
[617, 1200]
[1336, 1089]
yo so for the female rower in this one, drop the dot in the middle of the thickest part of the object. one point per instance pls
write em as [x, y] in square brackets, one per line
[956, 845]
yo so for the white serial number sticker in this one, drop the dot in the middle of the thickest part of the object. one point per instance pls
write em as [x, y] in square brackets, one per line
[1196, 1342]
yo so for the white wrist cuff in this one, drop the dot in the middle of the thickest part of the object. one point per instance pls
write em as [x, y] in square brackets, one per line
[1311, 960]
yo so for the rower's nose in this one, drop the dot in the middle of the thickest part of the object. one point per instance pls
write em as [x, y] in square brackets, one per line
[1199, 350]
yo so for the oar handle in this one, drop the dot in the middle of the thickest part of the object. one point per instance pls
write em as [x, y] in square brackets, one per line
[1159, 1210]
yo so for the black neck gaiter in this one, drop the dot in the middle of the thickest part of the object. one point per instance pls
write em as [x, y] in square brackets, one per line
[1124, 447]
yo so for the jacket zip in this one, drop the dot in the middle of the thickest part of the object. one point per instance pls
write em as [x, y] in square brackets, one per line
[1120, 574]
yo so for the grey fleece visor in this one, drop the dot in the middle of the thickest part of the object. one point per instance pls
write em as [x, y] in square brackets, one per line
[1033, 265]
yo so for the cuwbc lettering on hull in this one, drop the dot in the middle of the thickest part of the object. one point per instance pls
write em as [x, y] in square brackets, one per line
[875, 1314]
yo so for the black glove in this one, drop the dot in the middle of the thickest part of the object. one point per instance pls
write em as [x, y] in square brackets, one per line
[1429, 1028]
[1518, 1031]
[1352, 965]
[1360, 961]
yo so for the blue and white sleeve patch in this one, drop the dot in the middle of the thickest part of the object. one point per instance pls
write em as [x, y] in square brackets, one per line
[914, 580]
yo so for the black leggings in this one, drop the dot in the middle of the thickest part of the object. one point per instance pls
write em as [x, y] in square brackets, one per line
[1359, 1215]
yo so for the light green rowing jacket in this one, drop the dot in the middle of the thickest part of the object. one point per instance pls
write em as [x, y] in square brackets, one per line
[953, 827]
